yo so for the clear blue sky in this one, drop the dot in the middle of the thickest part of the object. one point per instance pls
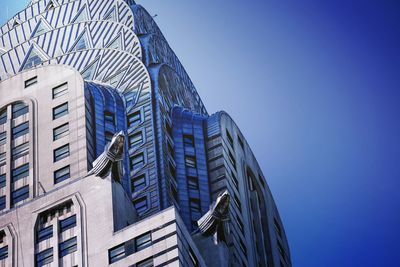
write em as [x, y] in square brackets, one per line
[315, 87]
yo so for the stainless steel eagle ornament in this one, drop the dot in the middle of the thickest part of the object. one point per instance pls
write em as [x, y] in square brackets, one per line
[216, 220]
[111, 158]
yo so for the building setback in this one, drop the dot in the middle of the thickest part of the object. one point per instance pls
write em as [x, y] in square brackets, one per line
[108, 156]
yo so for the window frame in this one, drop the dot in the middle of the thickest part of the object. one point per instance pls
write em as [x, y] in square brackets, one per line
[64, 107]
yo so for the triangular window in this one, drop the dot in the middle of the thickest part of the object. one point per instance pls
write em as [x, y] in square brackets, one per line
[50, 5]
[16, 22]
[111, 15]
[116, 43]
[81, 16]
[33, 58]
[89, 72]
[116, 79]
[81, 43]
[41, 28]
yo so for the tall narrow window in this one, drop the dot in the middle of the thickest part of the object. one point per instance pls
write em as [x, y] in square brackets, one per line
[135, 139]
[117, 253]
[44, 233]
[61, 175]
[20, 194]
[20, 130]
[60, 111]
[67, 247]
[61, 152]
[134, 118]
[4, 253]
[60, 90]
[232, 159]
[138, 182]
[44, 257]
[68, 223]
[230, 139]
[143, 241]
[60, 131]
[20, 172]
[190, 161]
[137, 161]
[2, 180]
[2, 202]
[140, 204]
[3, 138]
[19, 109]
[3, 116]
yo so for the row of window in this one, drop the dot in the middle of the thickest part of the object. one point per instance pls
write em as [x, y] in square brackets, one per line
[125, 249]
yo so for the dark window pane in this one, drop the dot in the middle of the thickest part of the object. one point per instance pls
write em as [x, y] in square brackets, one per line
[3, 116]
[135, 139]
[60, 111]
[20, 194]
[61, 175]
[2, 202]
[145, 263]
[20, 151]
[116, 253]
[188, 140]
[140, 204]
[44, 257]
[190, 161]
[137, 161]
[193, 183]
[19, 109]
[2, 180]
[3, 253]
[20, 130]
[61, 152]
[138, 182]
[143, 241]
[20, 172]
[134, 118]
[67, 247]
[30, 82]
[45, 233]
[60, 131]
[68, 223]
[3, 138]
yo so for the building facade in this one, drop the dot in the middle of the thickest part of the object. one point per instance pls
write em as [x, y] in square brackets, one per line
[108, 155]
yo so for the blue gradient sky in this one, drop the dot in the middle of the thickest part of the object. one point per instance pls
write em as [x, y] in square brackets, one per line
[315, 87]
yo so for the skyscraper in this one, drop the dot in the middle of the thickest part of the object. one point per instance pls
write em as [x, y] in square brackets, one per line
[108, 155]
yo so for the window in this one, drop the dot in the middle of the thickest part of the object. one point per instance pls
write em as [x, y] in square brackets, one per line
[235, 180]
[2, 202]
[230, 139]
[20, 172]
[60, 111]
[19, 109]
[30, 82]
[44, 257]
[188, 140]
[134, 119]
[3, 138]
[232, 159]
[44, 233]
[67, 223]
[140, 204]
[190, 161]
[145, 263]
[60, 131]
[2, 180]
[195, 205]
[67, 247]
[61, 175]
[108, 136]
[3, 158]
[240, 142]
[20, 151]
[3, 116]
[138, 182]
[20, 130]
[20, 194]
[143, 241]
[193, 183]
[281, 249]
[172, 169]
[137, 161]
[60, 90]
[61, 152]
[240, 224]
[243, 247]
[135, 139]
[117, 253]
[109, 118]
[193, 257]
[168, 128]
[277, 227]
[237, 202]
[3, 253]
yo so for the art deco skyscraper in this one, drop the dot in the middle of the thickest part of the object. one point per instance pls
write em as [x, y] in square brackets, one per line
[108, 155]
